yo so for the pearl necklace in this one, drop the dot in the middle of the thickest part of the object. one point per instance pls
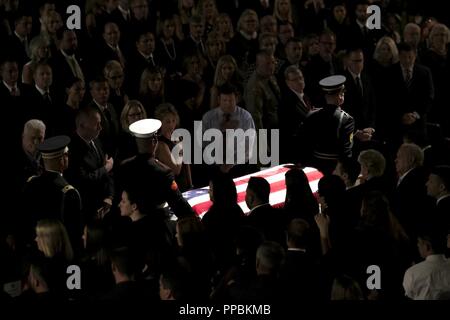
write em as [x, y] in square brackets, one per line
[174, 56]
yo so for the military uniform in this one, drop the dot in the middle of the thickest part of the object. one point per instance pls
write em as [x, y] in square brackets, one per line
[145, 171]
[327, 132]
[50, 196]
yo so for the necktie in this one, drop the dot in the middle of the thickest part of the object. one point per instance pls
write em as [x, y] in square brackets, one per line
[408, 77]
[94, 148]
[46, 97]
[151, 61]
[14, 92]
[76, 70]
[120, 56]
[359, 86]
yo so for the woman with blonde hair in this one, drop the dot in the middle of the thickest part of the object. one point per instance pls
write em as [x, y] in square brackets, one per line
[52, 240]
[131, 112]
[151, 89]
[170, 121]
[282, 11]
[186, 9]
[114, 74]
[223, 27]
[207, 9]
[53, 243]
[226, 72]
[40, 52]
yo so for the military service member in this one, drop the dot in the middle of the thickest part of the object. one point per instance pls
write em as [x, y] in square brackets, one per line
[49, 195]
[328, 132]
[146, 171]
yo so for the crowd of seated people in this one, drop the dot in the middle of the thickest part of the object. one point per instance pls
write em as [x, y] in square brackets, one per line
[387, 203]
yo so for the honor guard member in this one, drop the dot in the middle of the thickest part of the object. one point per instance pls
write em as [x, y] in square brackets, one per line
[328, 131]
[49, 195]
[146, 171]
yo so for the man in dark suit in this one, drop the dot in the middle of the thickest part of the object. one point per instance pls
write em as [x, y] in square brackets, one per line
[110, 121]
[438, 187]
[142, 57]
[359, 95]
[89, 168]
[298, 274]
[320, 66]
[18, 42]
[262, 215]
[410, 201]
[49, 195]
[108, 49]
[65, 64]
[412, 96]
[292, 112]
[194, 43]
[12, 96]
[41, 100]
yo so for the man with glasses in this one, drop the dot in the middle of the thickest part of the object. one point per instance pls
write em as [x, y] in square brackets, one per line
[327, 132]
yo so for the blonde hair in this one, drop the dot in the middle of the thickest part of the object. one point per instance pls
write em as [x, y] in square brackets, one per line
[110, 66]
[276, 11]
[165, 109]
[247, 12]
[54, 238]
[218, 79]
[391, 44]
[230, 33]
[124, 115]
[438, 28]
[145, 78]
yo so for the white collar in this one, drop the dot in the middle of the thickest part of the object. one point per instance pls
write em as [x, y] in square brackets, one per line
[354, 75]
[435, 258]
[296, 249]
[41, 91]
[258, 206]
[55, 172]
[66, 55]
[441, 198]
[361, 25]
[100, 106]
[249, 36]
[20, 38]
[9, 87]
[403, 176]
[145, 56]
[298, 94]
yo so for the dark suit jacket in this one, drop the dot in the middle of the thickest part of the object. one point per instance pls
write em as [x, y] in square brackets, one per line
[16, 49]
[443, 212]
[269, 221]
[36, 107]
[361, 108]
[110, 128]
[418, 96]
[88, 174]
[411, 203]
[62, 71]
[137, 64]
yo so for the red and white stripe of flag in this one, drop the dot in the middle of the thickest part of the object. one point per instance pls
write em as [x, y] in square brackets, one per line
[200, 202]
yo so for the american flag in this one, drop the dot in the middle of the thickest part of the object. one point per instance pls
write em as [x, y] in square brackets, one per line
[199, 198]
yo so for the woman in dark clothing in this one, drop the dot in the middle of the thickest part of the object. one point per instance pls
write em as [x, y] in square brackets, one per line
[300, 201]
[223, 219]
[170, 120]
[132, 112]
[75, 90]
[151, 89]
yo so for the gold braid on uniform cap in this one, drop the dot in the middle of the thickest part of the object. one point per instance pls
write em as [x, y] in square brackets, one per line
[55, 154]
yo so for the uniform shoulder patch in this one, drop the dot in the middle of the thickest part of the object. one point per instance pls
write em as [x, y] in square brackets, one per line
[351, 137]
[67, 188]
[174, 186]
[31, 178]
